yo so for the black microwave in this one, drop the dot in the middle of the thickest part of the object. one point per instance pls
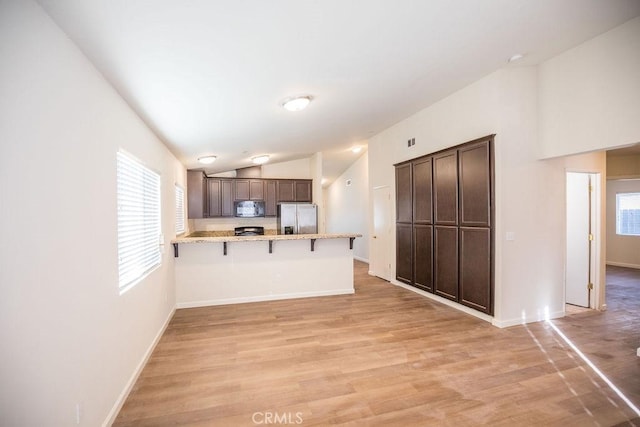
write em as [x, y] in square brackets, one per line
[248, 209]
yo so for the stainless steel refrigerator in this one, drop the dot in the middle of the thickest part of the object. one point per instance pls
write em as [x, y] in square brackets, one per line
[297, 218]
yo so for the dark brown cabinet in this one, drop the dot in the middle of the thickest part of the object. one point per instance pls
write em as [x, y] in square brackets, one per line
[249, 189]
[270, 199]
[404, 254]
[446, 262]
[403, 194]
[423, 257]
[422, 191]
[226, 197]
[214, 197]
[445, 199]
[303, 191]
[220, 197]
[475, 267]
[475, 185]
[290, 190]
[445, 183]
[197, 195]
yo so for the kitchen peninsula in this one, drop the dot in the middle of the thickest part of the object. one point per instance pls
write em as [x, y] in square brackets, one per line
[215, 268]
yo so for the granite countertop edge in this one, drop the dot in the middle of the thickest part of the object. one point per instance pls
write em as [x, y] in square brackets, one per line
[266, 237]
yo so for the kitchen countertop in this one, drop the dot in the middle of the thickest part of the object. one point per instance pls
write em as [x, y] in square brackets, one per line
[228, 236]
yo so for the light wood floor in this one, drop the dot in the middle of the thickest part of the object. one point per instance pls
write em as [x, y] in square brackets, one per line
[384, 356]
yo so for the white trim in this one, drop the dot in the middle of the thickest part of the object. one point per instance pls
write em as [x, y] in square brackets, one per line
[623, 264]
[446, 302]
[365, 260]
[242, 300]
[530, 319]
[115, 410]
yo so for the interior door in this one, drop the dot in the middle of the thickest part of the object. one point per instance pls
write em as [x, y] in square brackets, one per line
[578, 239]
[379, 264]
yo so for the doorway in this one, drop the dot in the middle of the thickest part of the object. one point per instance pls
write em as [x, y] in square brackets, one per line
[379, 263]
[582, 246]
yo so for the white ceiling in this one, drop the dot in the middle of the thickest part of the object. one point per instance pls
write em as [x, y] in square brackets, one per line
[208, 76]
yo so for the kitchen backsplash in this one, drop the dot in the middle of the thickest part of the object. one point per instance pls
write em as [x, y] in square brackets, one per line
[216, 224]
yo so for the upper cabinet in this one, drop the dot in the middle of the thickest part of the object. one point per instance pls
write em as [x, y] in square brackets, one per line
[422, 189]
[292, 190]
[403, 193]
[249, 189]
[271, 197]
[445, 183]
[475, 185]
[220, 195]
[214, 197]
[197, 195]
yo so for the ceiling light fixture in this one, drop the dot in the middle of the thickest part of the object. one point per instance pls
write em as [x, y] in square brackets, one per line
[516, 57]
[356, 149]
[207, 160]
[296, 103]
[260, 160]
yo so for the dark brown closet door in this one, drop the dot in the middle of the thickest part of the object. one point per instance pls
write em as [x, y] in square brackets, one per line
[404, 253]
[475, 185]
[446, 262]
[422, 188]
[403, 193]
[423, 257]
[475, 268]
[445, 188]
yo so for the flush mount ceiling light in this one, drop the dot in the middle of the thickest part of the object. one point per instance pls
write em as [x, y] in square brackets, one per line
[260, 160]
[296, 103]
[356, 149]
[516, 57]
[207, 160]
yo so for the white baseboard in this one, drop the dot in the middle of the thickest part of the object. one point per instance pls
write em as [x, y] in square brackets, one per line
[136, 373]
[242, 300]
[361, 259]
[530, 319]
[445, 301]
[622, 264]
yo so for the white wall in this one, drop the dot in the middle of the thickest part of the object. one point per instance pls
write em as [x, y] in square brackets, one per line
[294, 169]
[589, 94]
[67, 335]
[348, 208]
[623, 251]
[620, 167]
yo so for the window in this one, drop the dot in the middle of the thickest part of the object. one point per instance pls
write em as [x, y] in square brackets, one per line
[138, 221]
[628, 214]
[179, 210]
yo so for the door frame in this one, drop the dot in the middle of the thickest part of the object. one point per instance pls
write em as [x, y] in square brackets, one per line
[597, 256]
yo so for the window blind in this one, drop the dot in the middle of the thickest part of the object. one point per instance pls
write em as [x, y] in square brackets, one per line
[138, 220]
[179, 210]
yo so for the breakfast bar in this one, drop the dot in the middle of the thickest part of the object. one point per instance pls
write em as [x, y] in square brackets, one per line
[214, 268]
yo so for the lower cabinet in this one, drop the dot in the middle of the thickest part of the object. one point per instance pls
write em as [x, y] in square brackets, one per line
[475, 267]
[446, 262]
[423, 257]
[404, 253]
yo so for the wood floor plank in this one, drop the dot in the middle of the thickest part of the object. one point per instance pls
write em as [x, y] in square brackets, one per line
[387, 356]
